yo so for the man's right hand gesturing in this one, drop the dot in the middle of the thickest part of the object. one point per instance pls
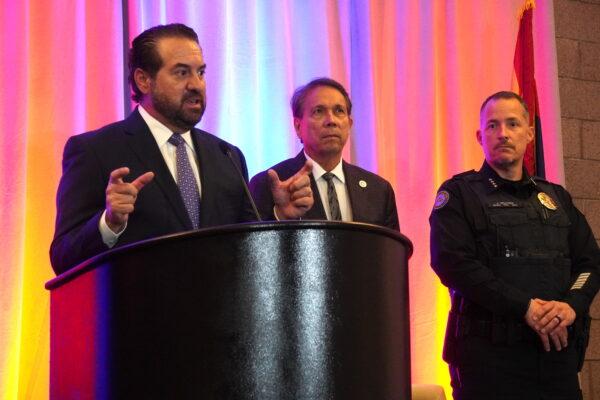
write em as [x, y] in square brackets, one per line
[121, 197]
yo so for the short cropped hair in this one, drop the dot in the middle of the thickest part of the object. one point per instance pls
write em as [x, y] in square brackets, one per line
[297, 101]
[506, 95]
[144, 54]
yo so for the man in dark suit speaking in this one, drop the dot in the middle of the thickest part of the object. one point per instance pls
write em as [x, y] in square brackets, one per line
[322, 120]
[154, 173]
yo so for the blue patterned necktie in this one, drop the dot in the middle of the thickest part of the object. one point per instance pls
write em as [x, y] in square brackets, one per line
[186, 181]
[334, 205]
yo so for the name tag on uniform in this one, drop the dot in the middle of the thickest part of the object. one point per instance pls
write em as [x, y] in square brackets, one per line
[504, 204]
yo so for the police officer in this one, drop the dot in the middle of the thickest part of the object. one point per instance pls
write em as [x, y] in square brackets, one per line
[522, 266]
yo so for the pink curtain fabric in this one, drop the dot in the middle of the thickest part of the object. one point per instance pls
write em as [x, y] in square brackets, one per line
[417, 72]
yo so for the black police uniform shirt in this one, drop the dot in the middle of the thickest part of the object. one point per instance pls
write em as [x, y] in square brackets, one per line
[457, 242]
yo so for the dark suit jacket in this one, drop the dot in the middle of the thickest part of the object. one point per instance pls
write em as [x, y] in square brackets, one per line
[375, 203]
[89, 159]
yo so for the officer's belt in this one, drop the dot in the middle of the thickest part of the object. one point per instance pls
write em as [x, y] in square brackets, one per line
[498, 332]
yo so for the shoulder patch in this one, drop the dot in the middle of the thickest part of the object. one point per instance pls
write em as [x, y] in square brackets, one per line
[441, 199]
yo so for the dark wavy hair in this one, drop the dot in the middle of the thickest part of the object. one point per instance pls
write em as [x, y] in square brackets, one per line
[144, 55]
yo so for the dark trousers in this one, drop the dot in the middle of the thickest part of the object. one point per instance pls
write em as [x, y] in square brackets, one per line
[520, 371]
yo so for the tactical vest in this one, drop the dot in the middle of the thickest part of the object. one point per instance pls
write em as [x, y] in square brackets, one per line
[524, 241]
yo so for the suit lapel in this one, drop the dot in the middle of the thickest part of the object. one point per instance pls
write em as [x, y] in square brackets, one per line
[317, 211]
[142, 143]
[204, 166]
[355, 191]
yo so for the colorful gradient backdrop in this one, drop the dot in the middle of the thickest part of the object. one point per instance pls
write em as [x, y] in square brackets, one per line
[417, 72]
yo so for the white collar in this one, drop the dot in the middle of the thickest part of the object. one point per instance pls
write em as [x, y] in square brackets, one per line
[318, 171]
[160, 132]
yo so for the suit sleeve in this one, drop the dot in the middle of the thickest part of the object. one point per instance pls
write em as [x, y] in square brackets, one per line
[80, 202]
[585, 259]
[454, 257]
[391, 219]
[261, 192]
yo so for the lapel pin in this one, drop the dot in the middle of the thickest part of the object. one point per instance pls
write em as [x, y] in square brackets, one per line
[362, 184]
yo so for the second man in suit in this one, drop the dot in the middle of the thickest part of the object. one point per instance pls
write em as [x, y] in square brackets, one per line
[322, 113]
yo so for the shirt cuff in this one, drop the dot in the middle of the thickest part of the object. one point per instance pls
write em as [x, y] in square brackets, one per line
[277, 216]
[108, 236]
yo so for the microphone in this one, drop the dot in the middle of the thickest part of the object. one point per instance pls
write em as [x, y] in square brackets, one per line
[227, 151]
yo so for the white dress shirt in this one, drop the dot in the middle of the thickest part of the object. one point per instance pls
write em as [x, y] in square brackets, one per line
[339, 182]
[161, 134]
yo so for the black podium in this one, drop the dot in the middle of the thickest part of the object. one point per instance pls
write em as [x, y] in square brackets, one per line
[298, 310]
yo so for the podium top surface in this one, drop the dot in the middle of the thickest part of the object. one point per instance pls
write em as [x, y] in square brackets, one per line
[230, 229]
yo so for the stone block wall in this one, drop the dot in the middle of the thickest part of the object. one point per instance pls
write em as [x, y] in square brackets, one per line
[577, 25]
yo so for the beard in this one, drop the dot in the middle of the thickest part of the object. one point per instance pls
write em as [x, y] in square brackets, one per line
[175, 112]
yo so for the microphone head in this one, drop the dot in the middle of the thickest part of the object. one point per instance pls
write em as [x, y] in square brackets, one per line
[225, 148]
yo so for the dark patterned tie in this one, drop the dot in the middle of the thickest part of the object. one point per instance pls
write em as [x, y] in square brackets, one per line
[186, 181]
[334, 205]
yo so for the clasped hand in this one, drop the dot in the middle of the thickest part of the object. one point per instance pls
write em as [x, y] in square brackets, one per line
[550, 319]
